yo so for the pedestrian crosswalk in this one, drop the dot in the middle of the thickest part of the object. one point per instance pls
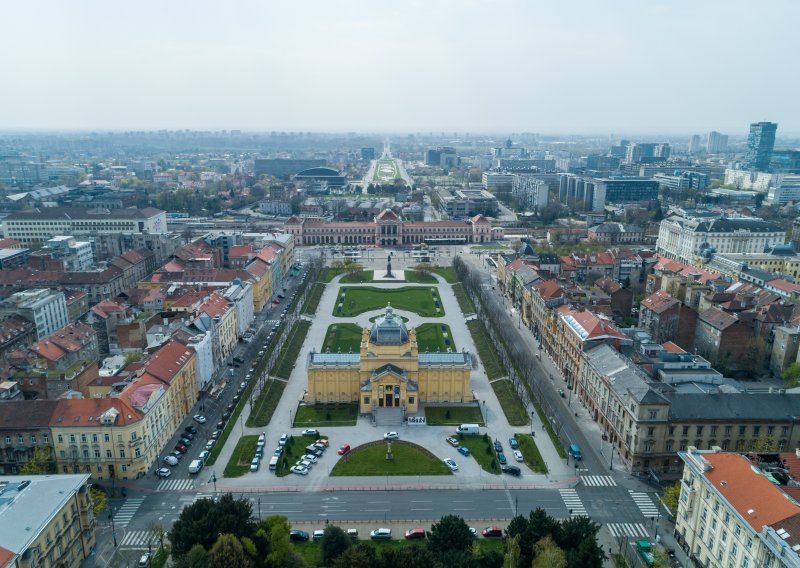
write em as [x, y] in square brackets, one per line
[573, 502]
[176, 485]
[138, 540]
[598, 481]
[125, 513]
[627, 529]
[645, 504]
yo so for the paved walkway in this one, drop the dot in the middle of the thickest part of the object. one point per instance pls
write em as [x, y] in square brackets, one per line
[431, 437]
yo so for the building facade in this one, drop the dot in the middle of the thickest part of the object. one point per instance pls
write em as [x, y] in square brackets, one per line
[47, 309]
[760, 143]
[530, 193]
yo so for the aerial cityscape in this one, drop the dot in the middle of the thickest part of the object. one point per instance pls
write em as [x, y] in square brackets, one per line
[287, 286]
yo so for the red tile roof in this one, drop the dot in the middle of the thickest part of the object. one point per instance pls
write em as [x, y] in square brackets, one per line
[215, 305]
[594, 326]
[168, 361]
[718, 318]
[672, 348]
[549, 289]
[659, 302]
[240, 251]
[78, 411]
[69, 339]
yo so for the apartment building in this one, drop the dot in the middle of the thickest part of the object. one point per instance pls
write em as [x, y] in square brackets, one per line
[47, 521]
[731, 512]
[47, 309]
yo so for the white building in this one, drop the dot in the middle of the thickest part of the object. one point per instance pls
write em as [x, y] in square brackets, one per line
[47, 309]
[732, 513]
[38, 225]
[684, 238]
[202, 344]
[786, 188]
[240, 294]
[748, 179]
[76, 255]
[530, 193]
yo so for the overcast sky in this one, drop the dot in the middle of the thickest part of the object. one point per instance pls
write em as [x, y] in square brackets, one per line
[555, 66]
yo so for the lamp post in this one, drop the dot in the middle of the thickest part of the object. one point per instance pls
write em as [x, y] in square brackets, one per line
[113, 529]
[214, 480]
[611, 464]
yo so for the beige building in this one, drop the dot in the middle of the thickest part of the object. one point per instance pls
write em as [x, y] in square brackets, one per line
[732, 513]
[388, 372]
[47, 521]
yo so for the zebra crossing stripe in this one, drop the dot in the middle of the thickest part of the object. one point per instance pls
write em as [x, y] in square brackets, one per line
[645, 504]
[627, 529]
[176, 484]
[573, 502]
[598, 480]
[137, 539]
[128, 509]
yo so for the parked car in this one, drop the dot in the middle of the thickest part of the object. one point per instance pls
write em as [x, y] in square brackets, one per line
[452, 441]
[188, 435]
[170, 460]
[322, 442]
[176, 454]
[318, 534]
[473, 531]
[412, 534]
[216, 434]
[492, 532]
[210, 444]
[144, 560]
[203, 456]
[513, 443]
[391, 436]
[309, 458]
[511, 469]
[229, 408]
[498, 447]
[518, 456]
[300, 470]
[260, 453]
[164, 472]
[310, 432]
[463, 451]
[283, 440]
[186, 442]
[191, 429]
[199, 418]
[352, 533]
[304, 463]
[501, 457]
[181, 448]
[451, 464]
[298, 536]
[381, 534]
[344, 449]
[262, 440]
[220, 425]
[226, 415]
[254, 463]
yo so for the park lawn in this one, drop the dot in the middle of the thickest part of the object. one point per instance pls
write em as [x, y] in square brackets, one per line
[342, 338]
[464, 301]
[530, 452]
[446, 272]
[243, 453]
[326, 415]
[294, 449]
[512, 406]
[312, 301]
[417, 299]
[477, 446]
[266, 403]
[327, 274]
[360, 277]
[418, 277]
[437, 415]
[370, 459]
[431, 338]
[291, 349]
[486, 351]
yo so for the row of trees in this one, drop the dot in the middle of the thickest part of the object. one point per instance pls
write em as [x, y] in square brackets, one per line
[222, 533]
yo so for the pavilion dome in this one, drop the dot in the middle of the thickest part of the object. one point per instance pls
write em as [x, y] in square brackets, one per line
[388, 329]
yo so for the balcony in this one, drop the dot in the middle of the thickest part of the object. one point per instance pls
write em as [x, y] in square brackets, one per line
[136, 442]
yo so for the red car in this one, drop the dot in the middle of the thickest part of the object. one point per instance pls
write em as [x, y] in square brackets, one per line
[415, 533]
[181, 448]
[492, 531]
[344, 449]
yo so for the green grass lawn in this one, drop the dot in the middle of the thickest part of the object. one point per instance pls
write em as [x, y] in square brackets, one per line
[245, 450]
[477, 447]
[509, 400]
[432, 339]
[312, 301]
[392, 171]
[326, 415]
[342, 338]
[311, 553]
[486, 351]
[533, 459]
[446, 272]
[327, 274]
[266, 403]
[464, 301]
[291, 349]
[295, 448]
[417, 299]
[370, 459]
[417, 277]
[361, 277]
[438, 415]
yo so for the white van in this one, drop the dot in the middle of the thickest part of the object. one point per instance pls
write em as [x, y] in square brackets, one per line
[195, 466]
[273, 463]
[472, 429]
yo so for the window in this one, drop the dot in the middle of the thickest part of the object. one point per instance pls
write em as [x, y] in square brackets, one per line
[46, 438]
[97, 454]
[63, 454]
[737, 530]
[8, 440]
[683, 445]
[411, 400]
[124, 467]
[122, 452]
[734, 549]
[728, 430]
[669, 446]
[685, 430]
[83, 438]
[671, 430]
[714, 430]
[109, 455]
[86, 454]
[651, 431]
[60, 439]
[137, 452]
[72, 438]
[742, 430]
[94, 438]
[699, 430]
[652, 414]
[106, 437]
[749, 543]
[770, 430]
[756, 430]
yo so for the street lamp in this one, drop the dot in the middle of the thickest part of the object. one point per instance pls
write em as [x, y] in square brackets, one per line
[214, 480]
[113, 529]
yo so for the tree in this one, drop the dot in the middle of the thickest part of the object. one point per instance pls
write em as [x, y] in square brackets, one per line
[99, 500]
[448, 535]
[200, 522]
[764, 444]
[670, 497]
[791, 375]
[333, 544]
[587, 555]
[755, 356]
[409, 557]
[575, 530]
[361, 555]
[197, 557]
[424, 267]
[547, 554]
[279, 544]
[511, 559]
[228, 552]
[40, 463]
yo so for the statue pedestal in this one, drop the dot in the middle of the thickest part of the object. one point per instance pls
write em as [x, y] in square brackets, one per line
[389, 455]
[380, 276]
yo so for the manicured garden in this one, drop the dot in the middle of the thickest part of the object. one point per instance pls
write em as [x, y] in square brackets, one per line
[294, 449]
[266, 403]
[453, 415]
[463, 299]
[370, 459]
[420, 300]
[291, 349]
[360, 277]
[481, 450]
[509, 400]
[530, 452]
[417, 277]
[310, 415]
[243, 453]
[446, 272]
[342, 338]
[486, 351]
[435, 338]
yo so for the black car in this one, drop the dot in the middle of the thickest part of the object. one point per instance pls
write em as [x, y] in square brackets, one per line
[226, 415]
[298, 536]
[498, 447]
[511, 469]
[191, 429]
[188, 435]
[230, 407]
[220, 425]
[186, 442]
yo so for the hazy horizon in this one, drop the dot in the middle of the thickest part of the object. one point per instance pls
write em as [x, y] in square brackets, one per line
[483, 67]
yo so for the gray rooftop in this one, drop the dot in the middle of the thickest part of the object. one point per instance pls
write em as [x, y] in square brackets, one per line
[735, 406]
[334, 359]
[24, 513]
[457, 358]
[626, 379]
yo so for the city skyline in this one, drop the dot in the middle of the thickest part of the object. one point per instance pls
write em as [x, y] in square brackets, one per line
[478, 67]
